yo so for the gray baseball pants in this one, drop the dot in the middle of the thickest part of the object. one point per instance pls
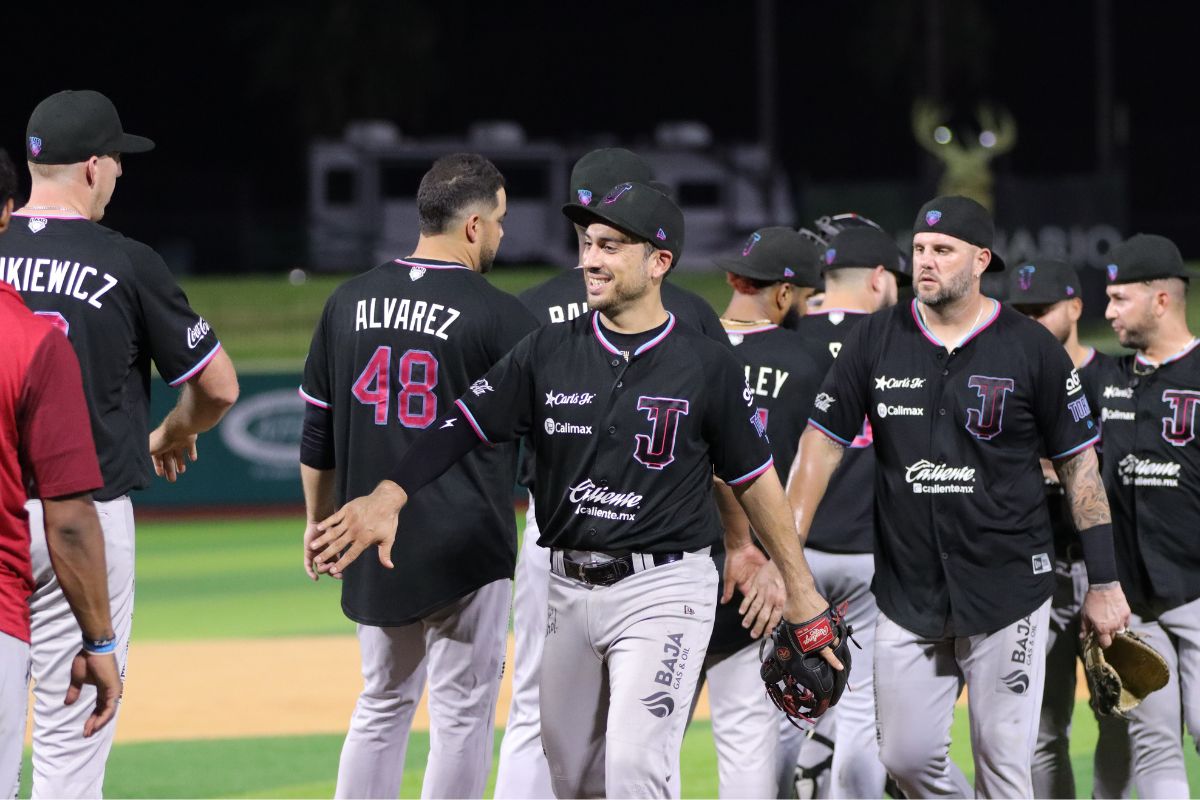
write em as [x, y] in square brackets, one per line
[1155, 726]
[619, 669]
[918, 680]
[1052, 773]
[14, 700]
[65, 764]
[462, 645]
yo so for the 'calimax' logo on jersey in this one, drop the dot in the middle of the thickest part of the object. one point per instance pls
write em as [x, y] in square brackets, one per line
[196, 333]
[1135, 471]
[925, 477]
[1125, 393]
[553, 426]
[554, 398]
[1115, 413]
[884, 382]
[885, 410]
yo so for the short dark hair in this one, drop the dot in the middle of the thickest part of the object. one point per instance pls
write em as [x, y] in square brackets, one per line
[8, 177]
[453, 184]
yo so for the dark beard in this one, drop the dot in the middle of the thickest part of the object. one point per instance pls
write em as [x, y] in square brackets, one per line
[791, 320]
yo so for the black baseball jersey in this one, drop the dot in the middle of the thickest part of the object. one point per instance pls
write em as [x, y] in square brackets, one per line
[845, 520]
[121, 308]
[563, 297]
[1152, 473]
[962, 535]
[625, 441]
[783, 380]
[393, 349]
[1066, 537]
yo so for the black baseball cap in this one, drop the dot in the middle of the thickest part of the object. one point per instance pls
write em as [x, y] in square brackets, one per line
[865, 246]
[600, 170]
[72, 126]
[1043, 282]
[640, 210]
[962, 218]
[1145, 257]
[776, 254]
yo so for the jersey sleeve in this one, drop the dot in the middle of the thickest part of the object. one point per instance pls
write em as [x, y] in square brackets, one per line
[180, 341]
[1061, 407]
[499, 406]
[840, 405]
[315, 387]
[56, 442]
[737, 439]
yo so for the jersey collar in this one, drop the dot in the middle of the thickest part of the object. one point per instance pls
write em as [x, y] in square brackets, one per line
[978, 329]
[45, 215]
[1187, 348]
[598, 329]
[429, 263]
[759, 329]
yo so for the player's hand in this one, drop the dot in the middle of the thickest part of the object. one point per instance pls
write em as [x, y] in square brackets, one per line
[761, 585]
[310, 554]
[1105, 611]
[1049, 473]
[170, 453]
[361, 523]
[100, 671]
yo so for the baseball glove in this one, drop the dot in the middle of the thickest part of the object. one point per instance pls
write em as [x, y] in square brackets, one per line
[1121, 675]
[799, 681]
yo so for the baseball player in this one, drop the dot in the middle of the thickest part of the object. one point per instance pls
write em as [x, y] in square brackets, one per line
[624, 483]
[393, 349]
[773, 272]
[120, 308]
[960, 394]
[1050, 292]
[1148, 405]
[48, 445]
[861, 267]
[522, 771]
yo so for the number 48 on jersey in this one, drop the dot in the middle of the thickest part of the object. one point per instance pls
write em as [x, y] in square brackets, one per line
[417, 372]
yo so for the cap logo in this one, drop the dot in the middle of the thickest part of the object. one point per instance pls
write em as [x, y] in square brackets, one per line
[1025, 277]
[1112, 272]
[1070, 291]
[932, 217]
[616, 193]
[661, 235]
[35, 145]
[754, 239]
[585, 197]
[788, 272]
[830, 255]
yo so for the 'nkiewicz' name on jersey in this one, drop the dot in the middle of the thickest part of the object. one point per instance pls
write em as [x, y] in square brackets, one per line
[52, 276]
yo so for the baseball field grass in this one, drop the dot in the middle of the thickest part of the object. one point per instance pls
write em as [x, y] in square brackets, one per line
[266, 322]
[243, 674]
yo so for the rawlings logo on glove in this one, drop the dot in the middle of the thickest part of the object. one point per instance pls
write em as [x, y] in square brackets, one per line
[799, 680]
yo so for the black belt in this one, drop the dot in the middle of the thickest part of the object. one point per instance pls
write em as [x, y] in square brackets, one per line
[609, 572]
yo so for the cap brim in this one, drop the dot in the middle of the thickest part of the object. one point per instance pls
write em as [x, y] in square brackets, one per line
[134, 144]
[585, 215]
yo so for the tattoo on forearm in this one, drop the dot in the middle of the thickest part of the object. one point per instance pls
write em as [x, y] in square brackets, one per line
[1080, 476]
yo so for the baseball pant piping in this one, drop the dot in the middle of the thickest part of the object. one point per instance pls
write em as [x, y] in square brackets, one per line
[915, 696]
[462, 646]
[522, 770]
[65, 764]
[619, 670]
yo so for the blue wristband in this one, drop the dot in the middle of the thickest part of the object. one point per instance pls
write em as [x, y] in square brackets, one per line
[99, 647]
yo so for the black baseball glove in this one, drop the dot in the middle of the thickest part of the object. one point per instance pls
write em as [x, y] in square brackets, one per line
[799, 680]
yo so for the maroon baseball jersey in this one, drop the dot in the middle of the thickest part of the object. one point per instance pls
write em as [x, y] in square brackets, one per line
[45, 442]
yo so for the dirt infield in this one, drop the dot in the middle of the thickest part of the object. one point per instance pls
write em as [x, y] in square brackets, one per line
[224, 688]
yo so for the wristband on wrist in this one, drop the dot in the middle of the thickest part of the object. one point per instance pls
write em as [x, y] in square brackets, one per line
[99, 647]
[1098, 554]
